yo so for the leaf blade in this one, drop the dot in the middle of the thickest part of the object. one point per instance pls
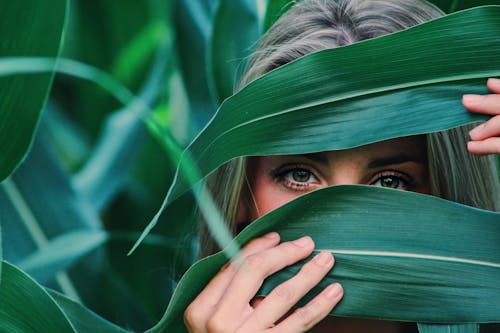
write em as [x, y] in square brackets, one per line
[373, 79]
[38, 32]
[366, 218]
[26, 306]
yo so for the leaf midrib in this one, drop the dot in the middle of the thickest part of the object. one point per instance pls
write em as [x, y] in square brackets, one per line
[415, 256]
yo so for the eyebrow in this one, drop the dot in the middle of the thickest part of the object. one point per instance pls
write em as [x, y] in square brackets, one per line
[317, 157]
[396, 159]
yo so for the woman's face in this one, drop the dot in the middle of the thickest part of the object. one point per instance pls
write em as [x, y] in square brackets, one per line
[399, 163]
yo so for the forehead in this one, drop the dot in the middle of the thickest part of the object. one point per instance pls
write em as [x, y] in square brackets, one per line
[375, 155]
[415, 145]
[411, 147]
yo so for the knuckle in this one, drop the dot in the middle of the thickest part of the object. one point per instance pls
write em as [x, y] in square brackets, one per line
[254, 262]
[285, 293]
[229, 267]
[294, 250]
[192, 317]
[306, 316]
[310, 268]
[217, 324]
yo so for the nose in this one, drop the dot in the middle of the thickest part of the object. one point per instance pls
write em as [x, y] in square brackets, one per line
[345, 174]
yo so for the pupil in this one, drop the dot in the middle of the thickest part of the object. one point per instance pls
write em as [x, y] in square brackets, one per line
[301, 176]
[390, 182]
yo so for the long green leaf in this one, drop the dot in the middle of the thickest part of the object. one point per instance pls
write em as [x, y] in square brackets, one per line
[455, 5]
[235, 31]
[354, 95]
[193, 21]
[82, 318]
[399, 255]
[372, 82]
[26, 307]
[109, 165]
[275, 8]
[49, 260]
[436, 328]
[27, 28]
[45, 208]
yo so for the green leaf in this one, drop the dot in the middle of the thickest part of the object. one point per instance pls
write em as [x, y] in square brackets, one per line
[275, 8]
[139, 51]
[193, 21]
[49, 259]
[235, 31]
[30, 207]
[98, 32]
[374, 81]
[399, 255]
[436, 328]
[455, 5]
[38, 206]
[108, 167]
[38, 30]
[27, 307]
[82, 318]
[345, 97]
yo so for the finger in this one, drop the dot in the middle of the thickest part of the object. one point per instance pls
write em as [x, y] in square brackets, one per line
[494, 85]
[251, 274]
[486, 130]
[484, 147]
[256, 301]
[486, 104]
[286, 295]
[217, 286]
[198, 312]
[303, 319]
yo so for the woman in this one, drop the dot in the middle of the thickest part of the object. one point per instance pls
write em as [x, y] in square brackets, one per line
[247, 188]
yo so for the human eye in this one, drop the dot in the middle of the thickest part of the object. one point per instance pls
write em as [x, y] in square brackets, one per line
[296, 177]
[393, 179]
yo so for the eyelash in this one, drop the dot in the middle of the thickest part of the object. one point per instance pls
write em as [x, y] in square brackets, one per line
[408, 183]
[280, 176]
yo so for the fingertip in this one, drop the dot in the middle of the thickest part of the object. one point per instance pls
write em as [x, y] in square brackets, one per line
[493, 84]
[476, 132]
[273, 235]
[324, 258]
[484, 147]
[334, 291]
[472, 147]
[305, 241]
[470, 101]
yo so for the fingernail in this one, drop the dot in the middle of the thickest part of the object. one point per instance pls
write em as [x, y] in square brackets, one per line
[494, 82]
[303, 242]
[476, 131]
[323, 258]
[271, 235]
[471, 99]
[472, 146]
[333, 291]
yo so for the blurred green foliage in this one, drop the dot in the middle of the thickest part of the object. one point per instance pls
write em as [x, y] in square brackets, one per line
[95, 176]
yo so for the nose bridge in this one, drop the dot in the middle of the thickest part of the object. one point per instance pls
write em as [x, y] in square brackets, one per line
[345, 173]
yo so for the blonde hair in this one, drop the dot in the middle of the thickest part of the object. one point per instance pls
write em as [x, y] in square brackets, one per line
[313, 25]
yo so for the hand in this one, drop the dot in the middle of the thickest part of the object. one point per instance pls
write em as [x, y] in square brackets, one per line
[485, 137]
[226, 304]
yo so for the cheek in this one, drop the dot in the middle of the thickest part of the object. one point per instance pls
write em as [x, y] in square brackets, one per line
[268, 196]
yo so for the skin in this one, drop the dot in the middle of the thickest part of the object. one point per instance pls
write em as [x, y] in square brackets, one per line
[485, 138]
[227, 304]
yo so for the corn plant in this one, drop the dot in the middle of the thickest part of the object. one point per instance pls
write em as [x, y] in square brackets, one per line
[105, 105]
